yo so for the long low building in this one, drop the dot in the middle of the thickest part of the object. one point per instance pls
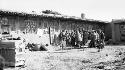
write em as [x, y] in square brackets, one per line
[29, 23]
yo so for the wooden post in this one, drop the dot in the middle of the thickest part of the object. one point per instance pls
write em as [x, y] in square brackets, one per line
[50, 35]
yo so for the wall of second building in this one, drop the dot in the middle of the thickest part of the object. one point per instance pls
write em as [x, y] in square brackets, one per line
[118, 32]
[122, 31]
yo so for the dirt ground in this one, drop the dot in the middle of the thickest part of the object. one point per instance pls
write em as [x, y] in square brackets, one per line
[109, 58]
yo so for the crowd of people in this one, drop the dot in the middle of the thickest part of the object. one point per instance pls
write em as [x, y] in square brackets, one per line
[78, 38]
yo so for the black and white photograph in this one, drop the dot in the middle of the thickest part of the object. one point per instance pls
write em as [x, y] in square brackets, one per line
[62, 34]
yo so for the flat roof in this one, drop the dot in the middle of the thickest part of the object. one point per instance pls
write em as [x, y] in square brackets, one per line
[47, 16]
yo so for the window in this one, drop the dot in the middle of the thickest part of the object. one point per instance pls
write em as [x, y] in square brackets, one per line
[30, 26]
[122, 29]
[4, 25]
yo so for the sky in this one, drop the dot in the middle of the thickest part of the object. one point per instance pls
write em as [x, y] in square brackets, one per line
[104, 10]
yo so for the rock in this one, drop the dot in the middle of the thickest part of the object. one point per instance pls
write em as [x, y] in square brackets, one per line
[123, 59]
[106, 54]
[86, 61]
[100, 67]
[108, 68]
[120, 53]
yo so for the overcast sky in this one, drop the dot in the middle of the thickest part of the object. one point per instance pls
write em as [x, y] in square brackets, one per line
[93, 9]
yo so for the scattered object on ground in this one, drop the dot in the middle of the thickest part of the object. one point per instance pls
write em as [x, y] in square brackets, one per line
[120, 53]
[106, 54]
[43, 48]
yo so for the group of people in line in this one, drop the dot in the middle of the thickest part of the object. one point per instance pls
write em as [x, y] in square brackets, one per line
[80, 37]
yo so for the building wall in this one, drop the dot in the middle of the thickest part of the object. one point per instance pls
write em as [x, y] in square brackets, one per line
[30, 24]
[118, 31]
[122, 31]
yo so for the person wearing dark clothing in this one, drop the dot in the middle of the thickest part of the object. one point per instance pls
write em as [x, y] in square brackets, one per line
[62, 39]
[69, 40]
[92, 38]
[89, 35]
[66, 34]
[55, 39]
[85, 37]
[72, 39]
[101, 39]
[60, 36]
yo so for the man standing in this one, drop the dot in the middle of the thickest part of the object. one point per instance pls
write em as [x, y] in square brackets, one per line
[85, 37]
[101, 37]
[93, 39]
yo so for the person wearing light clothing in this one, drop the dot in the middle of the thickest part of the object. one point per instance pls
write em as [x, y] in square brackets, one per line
[79, 38]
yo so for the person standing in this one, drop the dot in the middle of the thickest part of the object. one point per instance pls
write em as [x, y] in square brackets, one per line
[63, 39]
[79, 38]
[101, 38]
[92, 38]
[85, 37]
[73, 39]
[96, 38]
[66, 35]
[69, 39]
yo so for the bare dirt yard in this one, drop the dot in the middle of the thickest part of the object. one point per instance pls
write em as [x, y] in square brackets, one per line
[110, 58]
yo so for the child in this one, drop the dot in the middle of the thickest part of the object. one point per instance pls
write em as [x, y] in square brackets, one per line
[63, 43]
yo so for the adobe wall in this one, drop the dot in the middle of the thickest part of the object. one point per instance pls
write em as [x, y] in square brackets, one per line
[27, 24]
